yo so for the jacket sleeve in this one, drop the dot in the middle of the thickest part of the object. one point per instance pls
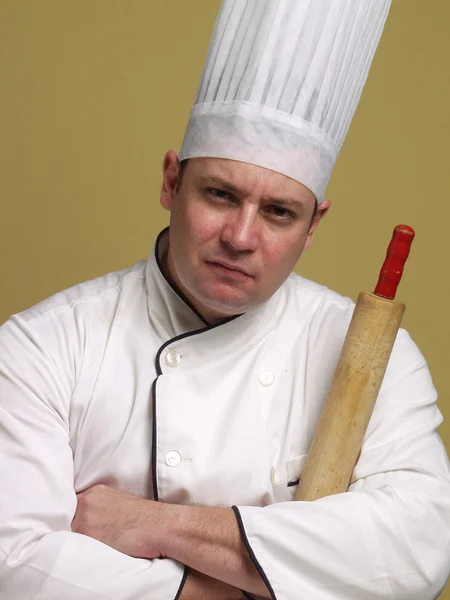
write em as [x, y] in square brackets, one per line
[388, 536]
[40, 557]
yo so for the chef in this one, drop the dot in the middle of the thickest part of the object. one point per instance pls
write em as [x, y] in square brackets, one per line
[154, 422]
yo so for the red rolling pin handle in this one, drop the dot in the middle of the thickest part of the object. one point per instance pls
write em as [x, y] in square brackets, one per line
[392, 269]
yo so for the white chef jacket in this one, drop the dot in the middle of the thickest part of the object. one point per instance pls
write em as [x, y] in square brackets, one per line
[119, 381]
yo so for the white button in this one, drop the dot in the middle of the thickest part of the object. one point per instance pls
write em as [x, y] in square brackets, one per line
[273, 477]
[173, 458]
[266, 378]
[173, 359]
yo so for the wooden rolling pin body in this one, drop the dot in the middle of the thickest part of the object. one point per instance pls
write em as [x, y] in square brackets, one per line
[359, 373]
[357, 378]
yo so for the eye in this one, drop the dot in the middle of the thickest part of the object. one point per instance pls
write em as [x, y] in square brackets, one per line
[280, 213]
[221, 194]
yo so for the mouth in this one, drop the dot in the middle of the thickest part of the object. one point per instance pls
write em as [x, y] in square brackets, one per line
[229, 269]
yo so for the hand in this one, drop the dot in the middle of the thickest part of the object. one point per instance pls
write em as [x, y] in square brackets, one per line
[206, 538]
[202, 587]
[128, 523]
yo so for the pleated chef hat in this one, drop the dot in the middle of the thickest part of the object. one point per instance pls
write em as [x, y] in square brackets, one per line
[281, 83]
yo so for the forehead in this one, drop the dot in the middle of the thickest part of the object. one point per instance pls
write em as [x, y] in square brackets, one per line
[249, 179]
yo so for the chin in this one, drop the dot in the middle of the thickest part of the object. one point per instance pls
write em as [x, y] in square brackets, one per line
[229, 308]
[224, 305]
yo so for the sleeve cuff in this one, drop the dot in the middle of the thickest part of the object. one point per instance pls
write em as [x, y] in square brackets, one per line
[252, 555]
[183, 581]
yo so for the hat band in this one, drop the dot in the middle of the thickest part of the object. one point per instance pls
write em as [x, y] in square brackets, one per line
[262, 136]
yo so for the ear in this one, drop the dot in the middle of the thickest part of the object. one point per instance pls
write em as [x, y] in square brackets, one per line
[170, 169]
[322, 210]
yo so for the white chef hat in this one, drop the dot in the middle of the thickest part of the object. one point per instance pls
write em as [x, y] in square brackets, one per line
[281, 83]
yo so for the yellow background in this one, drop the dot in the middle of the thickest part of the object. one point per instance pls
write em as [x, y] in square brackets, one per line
[93, 92]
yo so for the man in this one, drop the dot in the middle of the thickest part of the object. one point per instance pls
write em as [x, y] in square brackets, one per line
[165, 411]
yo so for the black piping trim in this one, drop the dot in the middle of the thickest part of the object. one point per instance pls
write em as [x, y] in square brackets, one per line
[183, 581]
[154, 477]
[159, 372]
[296, 482]
[177, 292]
[251, 553]
[188, 334]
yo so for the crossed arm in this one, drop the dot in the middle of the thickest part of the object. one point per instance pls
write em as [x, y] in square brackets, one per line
[206, 539]
[388, 536]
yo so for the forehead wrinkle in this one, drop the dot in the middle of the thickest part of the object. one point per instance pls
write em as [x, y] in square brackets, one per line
[215, 180]
[284, 201]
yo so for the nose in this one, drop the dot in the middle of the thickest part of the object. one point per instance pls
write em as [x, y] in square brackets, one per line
[240, 231]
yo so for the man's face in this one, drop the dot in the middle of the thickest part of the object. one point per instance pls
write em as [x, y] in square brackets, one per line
[236, 232]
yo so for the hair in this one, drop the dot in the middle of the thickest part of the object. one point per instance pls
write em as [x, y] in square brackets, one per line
[182, 169]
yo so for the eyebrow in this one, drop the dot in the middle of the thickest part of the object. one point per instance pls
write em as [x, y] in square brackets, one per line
[228, 187]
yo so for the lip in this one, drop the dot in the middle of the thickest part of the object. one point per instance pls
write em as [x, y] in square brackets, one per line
[229, 267]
